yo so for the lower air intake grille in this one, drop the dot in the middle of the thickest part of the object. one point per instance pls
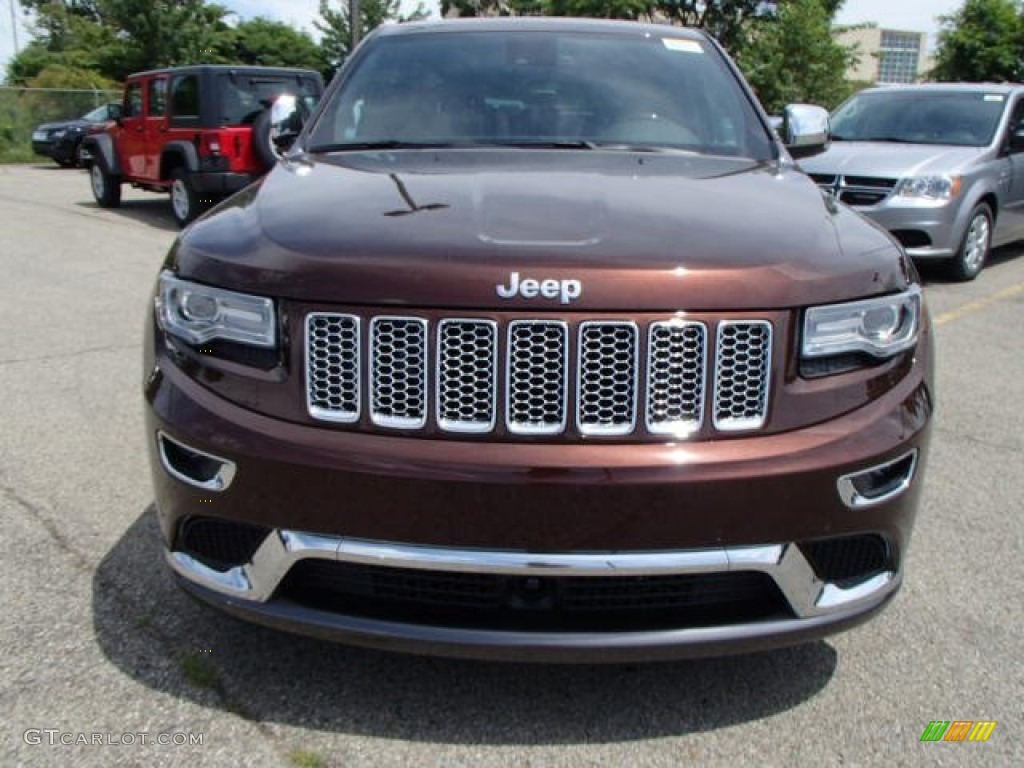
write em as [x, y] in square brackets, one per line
[523, 602]
[848, 558]
[221, 544]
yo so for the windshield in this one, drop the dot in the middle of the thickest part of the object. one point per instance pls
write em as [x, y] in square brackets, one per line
[960, 118]
[542, 89]
[98, 115]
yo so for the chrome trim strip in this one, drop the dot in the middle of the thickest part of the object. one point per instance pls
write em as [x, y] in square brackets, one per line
[853, 499]
[328, 414]
[219, 482]
[742, 424]
[601, 429]
[468, 427]
[807, 595]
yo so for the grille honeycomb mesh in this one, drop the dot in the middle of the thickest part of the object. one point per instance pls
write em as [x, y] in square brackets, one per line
[741, 374]
[675, 379]
[607, 378]
[333, 366]
[466, 360]
[659, 373]
[399, 372]
[536, 376]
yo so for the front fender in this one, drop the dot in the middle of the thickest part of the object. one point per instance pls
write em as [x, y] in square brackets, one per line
[102, 145]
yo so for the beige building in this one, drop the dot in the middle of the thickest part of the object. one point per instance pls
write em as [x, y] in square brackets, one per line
[887, 55]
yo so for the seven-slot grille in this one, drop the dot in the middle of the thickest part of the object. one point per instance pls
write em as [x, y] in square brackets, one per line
[476, 372]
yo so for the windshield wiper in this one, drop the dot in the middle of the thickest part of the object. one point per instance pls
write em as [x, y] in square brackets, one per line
[889, 139]
[539, 144]
[363, 146]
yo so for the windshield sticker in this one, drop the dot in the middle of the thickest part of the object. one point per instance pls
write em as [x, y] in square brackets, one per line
[686, 46]
[994, 97]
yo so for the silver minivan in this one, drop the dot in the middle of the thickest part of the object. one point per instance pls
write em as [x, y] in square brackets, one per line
[941, 166]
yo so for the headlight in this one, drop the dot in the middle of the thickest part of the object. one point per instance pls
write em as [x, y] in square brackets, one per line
[880, 327]
[198, 313]
[929, 188]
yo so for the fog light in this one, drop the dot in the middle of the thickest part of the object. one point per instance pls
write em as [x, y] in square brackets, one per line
[877, 484]
[195, 467]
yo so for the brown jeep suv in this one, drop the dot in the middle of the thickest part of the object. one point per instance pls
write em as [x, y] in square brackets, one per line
[536, 345]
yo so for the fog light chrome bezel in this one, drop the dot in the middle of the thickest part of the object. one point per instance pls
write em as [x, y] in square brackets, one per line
[857, 499]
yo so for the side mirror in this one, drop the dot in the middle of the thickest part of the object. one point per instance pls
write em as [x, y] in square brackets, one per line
[804, 129]
[1017, 140]
[114, 112]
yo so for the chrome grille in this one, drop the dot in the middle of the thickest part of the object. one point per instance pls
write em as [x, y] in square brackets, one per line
[332, 366]
[660, 374]
[467, 373]
[398, 382]
[676, 358]
[537, 377]
[855, 190]
[607, 378]
[742, 367]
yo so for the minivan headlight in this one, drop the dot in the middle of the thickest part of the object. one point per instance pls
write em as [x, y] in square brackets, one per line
[929, 187]
[198, 313]
[880, 327]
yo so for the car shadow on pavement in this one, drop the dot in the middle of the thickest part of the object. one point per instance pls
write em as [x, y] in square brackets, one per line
[934, 272]
[155, 212]
[161, 638]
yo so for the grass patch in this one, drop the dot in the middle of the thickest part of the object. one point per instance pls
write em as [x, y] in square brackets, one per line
[199, 671]
[306, 758]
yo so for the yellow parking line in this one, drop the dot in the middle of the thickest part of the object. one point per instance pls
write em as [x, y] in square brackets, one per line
[974, 306]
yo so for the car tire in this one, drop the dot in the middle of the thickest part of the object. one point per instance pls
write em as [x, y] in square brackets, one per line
[76, 155]
[106, 187]
[185, 203]
[974, 246]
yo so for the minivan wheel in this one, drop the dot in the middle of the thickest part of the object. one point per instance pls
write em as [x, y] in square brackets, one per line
[105, 187]
[975, 246]
[184, 201]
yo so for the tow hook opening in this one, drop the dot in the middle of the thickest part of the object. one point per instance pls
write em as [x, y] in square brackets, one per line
[192, 466]
[879, 483]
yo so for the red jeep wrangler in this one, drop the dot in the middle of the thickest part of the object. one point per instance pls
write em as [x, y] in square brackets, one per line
[200, 132]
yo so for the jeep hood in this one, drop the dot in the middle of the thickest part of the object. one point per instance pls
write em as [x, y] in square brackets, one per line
[444, 229]
[892, 160]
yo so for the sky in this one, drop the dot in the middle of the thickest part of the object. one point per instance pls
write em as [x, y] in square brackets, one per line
[916, 15]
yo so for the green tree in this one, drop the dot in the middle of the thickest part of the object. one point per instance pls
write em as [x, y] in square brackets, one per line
[162, 33]
[983, 41]
[794, 58]
[336, 28]
[273, 44]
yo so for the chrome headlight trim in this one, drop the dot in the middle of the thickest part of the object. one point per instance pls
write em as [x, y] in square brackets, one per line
[881, 327]
[199, 313]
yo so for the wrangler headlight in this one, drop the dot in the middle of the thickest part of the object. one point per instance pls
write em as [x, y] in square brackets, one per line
[880, 327]
[198, 313]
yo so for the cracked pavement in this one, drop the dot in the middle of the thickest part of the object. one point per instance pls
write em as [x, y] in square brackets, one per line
[98, 638]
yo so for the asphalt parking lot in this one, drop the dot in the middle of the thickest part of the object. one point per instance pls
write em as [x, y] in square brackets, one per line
[100, 641]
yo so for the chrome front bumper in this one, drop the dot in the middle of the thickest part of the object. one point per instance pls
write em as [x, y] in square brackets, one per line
[819, 607]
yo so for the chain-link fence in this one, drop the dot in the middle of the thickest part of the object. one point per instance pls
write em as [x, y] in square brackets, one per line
[22, 109]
